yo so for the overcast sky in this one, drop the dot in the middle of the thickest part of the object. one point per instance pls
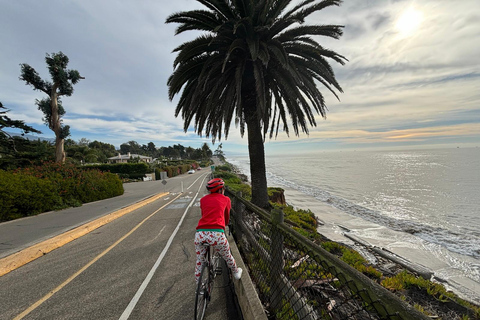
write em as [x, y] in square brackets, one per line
[412, 80]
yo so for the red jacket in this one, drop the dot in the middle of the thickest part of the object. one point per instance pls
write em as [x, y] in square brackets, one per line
[215, 211]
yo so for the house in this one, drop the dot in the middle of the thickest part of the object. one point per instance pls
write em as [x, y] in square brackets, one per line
[123, 158]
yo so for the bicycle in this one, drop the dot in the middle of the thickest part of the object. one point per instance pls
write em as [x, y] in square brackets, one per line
[210, 269]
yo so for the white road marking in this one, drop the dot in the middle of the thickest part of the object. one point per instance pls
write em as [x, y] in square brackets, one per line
[76, 274]
[197, 180]
[149, 277]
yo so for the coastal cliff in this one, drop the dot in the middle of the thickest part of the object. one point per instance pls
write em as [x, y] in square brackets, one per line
[409, 281]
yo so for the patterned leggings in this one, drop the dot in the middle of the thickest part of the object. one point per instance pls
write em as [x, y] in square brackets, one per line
[219, 242]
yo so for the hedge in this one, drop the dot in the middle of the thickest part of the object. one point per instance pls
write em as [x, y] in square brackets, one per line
[24, 195]
[173, 171]
[133, 170]
[51, 186]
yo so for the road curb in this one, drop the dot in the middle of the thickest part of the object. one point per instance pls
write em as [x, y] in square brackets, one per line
[18, 259]
[252, 308]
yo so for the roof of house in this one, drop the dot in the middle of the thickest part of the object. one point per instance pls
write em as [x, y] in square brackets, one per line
[128, 156]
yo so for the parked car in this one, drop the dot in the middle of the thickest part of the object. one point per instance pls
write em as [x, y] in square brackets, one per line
[199, 168]
[191, 171]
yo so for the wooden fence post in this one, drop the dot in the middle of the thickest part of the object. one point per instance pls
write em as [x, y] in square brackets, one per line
[238, 208]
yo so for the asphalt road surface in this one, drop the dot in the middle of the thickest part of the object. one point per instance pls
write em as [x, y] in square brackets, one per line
[140, 266]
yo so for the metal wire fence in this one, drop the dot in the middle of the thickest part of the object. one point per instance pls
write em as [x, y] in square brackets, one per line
[296, 279]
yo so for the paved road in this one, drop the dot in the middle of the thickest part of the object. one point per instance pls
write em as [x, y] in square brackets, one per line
[140, 266]
[19, 234]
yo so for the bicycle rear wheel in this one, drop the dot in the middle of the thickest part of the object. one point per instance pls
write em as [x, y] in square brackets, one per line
[202, 294]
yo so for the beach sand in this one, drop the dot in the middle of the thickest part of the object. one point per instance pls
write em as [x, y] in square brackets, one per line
[337, 223]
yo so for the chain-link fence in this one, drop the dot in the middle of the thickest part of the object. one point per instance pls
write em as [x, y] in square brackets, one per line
[297, 279]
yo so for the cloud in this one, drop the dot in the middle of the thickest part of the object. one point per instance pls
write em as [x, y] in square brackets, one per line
[366, 138]
[413, 88]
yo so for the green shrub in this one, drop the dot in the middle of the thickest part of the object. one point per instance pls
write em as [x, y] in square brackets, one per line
[333, 247]
[406, 280]
[245, 189]
[305, 233]
[24, 195]
[183, 168]
[206, 163]
[53, 186]
[301, 218]
[226, 167]
[354, 259]
[170, 171]
[173, 171]
[392, 283]
[272, 190]
[232, 181]
[98, 186]
[129, 170]
[369, 271]
[228, 177]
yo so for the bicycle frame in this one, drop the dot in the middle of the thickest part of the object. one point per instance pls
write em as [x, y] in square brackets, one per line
[205, 282]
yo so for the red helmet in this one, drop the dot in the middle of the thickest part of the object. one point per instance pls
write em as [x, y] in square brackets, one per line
[215, 184]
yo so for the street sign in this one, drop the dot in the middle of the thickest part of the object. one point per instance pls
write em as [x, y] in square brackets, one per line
[213, 168]
[164, 182]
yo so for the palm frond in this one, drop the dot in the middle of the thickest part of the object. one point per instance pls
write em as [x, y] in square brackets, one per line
[202, 20]
[256, 60]
[300, 31]
[220, 7]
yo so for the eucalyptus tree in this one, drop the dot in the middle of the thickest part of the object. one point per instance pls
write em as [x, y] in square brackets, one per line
[131, 146]
[151, 149]
[62, 83]
[206, 152]
[189, 152]
[106, 150]
[258, 64]
[181, 150]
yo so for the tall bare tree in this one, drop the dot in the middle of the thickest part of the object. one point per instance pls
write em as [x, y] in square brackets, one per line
[61, 85]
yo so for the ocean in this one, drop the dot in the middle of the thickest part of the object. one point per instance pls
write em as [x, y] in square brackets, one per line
[423, 205]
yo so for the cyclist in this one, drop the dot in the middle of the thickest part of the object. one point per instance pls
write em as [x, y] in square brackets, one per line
[215, 208]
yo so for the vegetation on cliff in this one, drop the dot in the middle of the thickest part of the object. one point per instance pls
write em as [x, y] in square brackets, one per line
[429, 297]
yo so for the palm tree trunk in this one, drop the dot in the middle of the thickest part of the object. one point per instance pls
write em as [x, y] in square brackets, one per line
[256, 150]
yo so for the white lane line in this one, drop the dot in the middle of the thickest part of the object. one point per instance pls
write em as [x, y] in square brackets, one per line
[149, 277]
[197, 180]
[85, 267]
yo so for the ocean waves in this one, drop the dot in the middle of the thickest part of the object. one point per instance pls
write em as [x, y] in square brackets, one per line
[422, 203]
[467, 244]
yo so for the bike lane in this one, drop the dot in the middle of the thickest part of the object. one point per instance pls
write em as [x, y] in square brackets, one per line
[106, 287]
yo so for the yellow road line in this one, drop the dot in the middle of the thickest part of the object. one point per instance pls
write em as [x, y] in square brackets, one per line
[51, 293]
[27, 255]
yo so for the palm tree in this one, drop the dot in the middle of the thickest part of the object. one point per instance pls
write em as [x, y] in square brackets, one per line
[256, 63]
